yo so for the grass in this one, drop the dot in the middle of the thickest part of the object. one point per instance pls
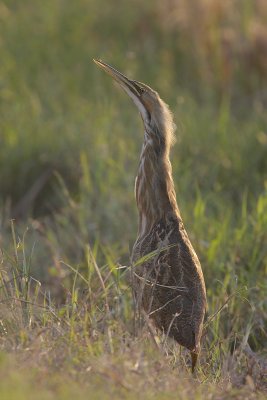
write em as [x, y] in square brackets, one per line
[69, 148]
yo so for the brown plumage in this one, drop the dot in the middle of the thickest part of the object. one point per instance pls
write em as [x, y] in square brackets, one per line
[167, 276]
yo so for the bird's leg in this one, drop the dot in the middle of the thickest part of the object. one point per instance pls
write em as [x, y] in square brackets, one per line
[194, 357]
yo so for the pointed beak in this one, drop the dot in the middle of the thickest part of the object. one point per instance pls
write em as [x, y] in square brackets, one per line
[132, 88]
[120, 78]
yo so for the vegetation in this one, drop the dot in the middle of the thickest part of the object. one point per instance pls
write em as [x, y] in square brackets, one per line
[69, 148]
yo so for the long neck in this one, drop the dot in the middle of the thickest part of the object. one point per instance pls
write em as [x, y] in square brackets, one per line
[154, 188]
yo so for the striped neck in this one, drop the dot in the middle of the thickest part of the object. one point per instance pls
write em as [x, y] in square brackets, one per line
[154, 187]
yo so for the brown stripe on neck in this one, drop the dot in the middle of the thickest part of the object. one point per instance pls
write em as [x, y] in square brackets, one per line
[155, 193]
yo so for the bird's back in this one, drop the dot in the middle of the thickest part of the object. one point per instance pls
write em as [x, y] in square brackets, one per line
[168, 281]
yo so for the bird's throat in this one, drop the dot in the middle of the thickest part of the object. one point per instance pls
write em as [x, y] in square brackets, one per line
[154, 188]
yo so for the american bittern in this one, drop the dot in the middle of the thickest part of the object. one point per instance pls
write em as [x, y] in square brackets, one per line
[168, 283]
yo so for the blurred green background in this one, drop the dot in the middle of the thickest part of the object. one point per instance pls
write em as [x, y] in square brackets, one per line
[207, 59]
[70, 140]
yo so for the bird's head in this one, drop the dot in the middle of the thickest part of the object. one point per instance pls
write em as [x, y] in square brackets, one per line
[154, 112]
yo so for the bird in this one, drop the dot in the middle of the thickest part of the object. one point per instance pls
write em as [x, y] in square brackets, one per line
[167, 277]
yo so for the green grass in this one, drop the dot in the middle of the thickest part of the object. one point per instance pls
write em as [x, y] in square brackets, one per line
[69, 150]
